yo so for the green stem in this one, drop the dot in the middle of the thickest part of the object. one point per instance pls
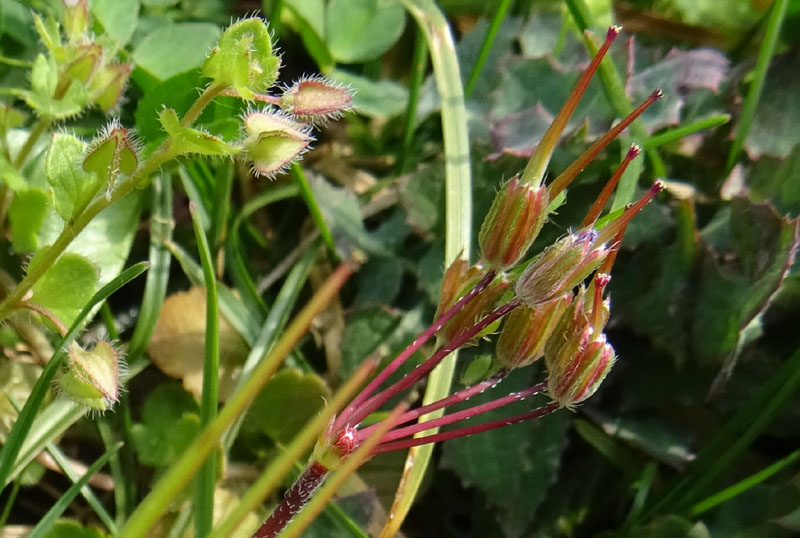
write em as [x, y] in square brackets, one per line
[202, 102]
[33, 137]
[206, 479]
[760, 74]
[313, 208]
[486, 46]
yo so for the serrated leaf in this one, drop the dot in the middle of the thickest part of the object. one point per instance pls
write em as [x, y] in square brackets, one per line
[513, 466]
[170, 421]
[362, 30]
[287, 403]
[26, 216]
[45, 106]
[71, 184]
[179, 338]
[189, 42]
[733, 294]
[118, 18]
[66, 286]
[187, 140]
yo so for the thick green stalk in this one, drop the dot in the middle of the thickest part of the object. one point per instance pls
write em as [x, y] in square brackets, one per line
[458, 224]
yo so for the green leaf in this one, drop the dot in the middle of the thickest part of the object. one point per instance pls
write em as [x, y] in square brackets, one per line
[375, 98]
[73, 102]
[287, 403]
[44, 75]
[106, 240]
[170, 420]
[16, 381]
[187, 140]
[68, 528]
[422, 196]
[66, 286]
[72, 185]
[513, 466]
[11, 177]
[26, 216]
[362, 30]
[308, 19]
[176, 93]
[118, 18]
[172, 49]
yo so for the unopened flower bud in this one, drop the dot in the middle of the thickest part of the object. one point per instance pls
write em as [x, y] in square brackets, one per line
[459, 279]
[91, 377]
[561, 267]
[274, 141]
[526, 331]
[107, 84]
[76, 19]
[513, 222]
[576, 378]
[316, 99]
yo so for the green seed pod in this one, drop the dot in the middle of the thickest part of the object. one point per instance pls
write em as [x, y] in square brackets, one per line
[560, 267]
[107, 84]
[515, 219]
[526, 331]
[316, 99]
[573, 381]
[75, 19]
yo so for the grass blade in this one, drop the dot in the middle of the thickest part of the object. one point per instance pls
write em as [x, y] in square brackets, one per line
[730, 442]
[674, 134]
[419, 62]
[759, 76]
[207, 477]
[486, 46]
[66, 499]
[18, 433]
[313, 208]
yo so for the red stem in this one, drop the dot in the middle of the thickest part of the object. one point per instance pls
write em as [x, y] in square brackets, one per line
[460, 396]
[464, 414]
[468, 430]
[605, 194]
[293, 501]
[404, 355]
[422, 370]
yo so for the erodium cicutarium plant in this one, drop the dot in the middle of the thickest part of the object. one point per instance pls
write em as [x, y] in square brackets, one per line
[552, 307]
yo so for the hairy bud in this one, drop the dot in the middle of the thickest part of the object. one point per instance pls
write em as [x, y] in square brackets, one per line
[108, 83]
[75, 19]
[573, 379]
[561, 267]
[515, 219]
